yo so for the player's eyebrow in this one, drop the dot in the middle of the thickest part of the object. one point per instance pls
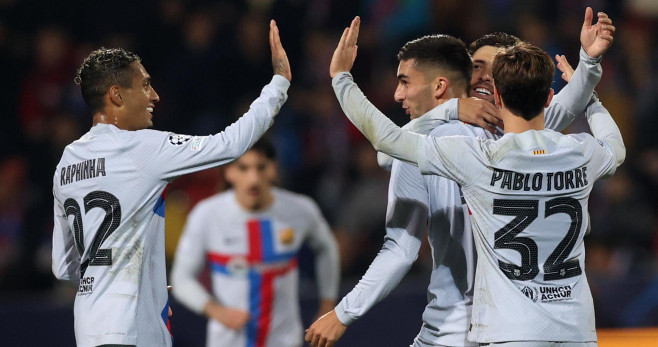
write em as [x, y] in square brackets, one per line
[401, 76]
[479, 61]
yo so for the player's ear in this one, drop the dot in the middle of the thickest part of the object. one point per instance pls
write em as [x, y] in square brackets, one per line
[497, 98]
[115, 95]
[229, 173]
[441, 86]
[551, 92]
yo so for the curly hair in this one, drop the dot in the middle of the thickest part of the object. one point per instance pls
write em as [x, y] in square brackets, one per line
[497, 39]
[100, 70]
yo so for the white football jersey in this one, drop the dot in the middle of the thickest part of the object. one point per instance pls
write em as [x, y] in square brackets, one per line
[109, 201]
[253, 262]
[416, 199]
[533, 184]
[528, 195]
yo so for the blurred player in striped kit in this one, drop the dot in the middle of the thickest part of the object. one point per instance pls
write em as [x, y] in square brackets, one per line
[250, 236]
[418, 202]
[109, 195]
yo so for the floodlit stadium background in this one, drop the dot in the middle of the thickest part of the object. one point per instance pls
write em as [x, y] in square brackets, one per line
[209, 59]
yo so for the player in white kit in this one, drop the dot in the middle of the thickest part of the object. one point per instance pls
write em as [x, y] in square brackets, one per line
[417, 201]
[251, 248]
[109, 195]
[527, 193]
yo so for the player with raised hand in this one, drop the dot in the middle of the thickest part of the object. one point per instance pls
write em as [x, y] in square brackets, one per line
[417, 200]
[109, 195]
[531, 181]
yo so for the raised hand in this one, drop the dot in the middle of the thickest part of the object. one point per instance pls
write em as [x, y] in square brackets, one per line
[596, 39]
[564, 66]
[325, 331]
[280, 62]
[345, 53]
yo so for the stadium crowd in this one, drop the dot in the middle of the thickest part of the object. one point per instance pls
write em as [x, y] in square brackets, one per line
[209, 59]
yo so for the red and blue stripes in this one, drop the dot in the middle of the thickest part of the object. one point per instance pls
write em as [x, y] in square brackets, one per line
[261, 283]
[159, 207]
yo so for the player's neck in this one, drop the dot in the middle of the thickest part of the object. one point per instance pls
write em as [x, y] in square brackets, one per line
[257, 205]
[517, 125]
[105, 118]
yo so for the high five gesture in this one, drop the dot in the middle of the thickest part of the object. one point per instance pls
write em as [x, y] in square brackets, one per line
[345, 53]
[280, 62]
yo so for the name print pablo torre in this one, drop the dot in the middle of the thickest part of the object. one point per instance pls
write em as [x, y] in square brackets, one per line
[540, 181]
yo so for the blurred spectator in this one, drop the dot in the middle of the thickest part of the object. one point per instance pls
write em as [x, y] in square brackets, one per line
[361, 218]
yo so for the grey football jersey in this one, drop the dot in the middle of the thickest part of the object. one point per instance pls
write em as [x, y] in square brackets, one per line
[109, 218]
[465, 160]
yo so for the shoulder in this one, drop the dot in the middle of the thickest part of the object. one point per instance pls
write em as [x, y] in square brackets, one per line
[459, 128]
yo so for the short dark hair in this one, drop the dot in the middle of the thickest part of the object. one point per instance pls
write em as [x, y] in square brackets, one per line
[444, 52]
[265, 147]
[523, 75]
[497, 39]
[100, 70]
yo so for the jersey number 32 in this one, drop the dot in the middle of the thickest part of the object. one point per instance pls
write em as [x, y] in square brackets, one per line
[556, 266]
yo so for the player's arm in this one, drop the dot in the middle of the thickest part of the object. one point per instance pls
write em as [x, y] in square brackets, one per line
[327, 265]
[605, 130]
[66, 260]
[189, 261]
[576, 95]
[167, 156]
[377, 128]
[405, 228]
[423, 125]
[384, 135]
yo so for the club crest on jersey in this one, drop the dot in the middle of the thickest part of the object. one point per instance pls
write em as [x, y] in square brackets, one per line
[178, 140]
[86, 285]
[287, 236]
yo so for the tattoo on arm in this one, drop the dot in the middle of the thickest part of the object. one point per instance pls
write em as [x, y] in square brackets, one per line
[279, 66]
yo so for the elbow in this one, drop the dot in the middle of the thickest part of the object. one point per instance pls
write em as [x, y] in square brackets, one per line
[620, 155]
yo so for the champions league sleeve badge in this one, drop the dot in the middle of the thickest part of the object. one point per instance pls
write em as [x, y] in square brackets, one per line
[178, 140]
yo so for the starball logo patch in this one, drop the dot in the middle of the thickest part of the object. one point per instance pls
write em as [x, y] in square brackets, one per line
[178, 140]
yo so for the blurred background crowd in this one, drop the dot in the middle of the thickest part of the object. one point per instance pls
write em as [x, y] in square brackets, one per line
[209, 60]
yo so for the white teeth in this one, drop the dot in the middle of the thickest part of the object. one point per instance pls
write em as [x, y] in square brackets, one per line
[150, 109]
[482, 91]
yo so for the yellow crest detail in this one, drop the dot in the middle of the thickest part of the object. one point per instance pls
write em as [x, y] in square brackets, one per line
[286, 236]
[538, 152]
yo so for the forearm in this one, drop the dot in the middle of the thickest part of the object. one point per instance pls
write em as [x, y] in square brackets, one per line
[423, 125]
[187, 289]
[383, 275]
[573, 99]
[605, 129]
[384, 135]
[242, 134]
